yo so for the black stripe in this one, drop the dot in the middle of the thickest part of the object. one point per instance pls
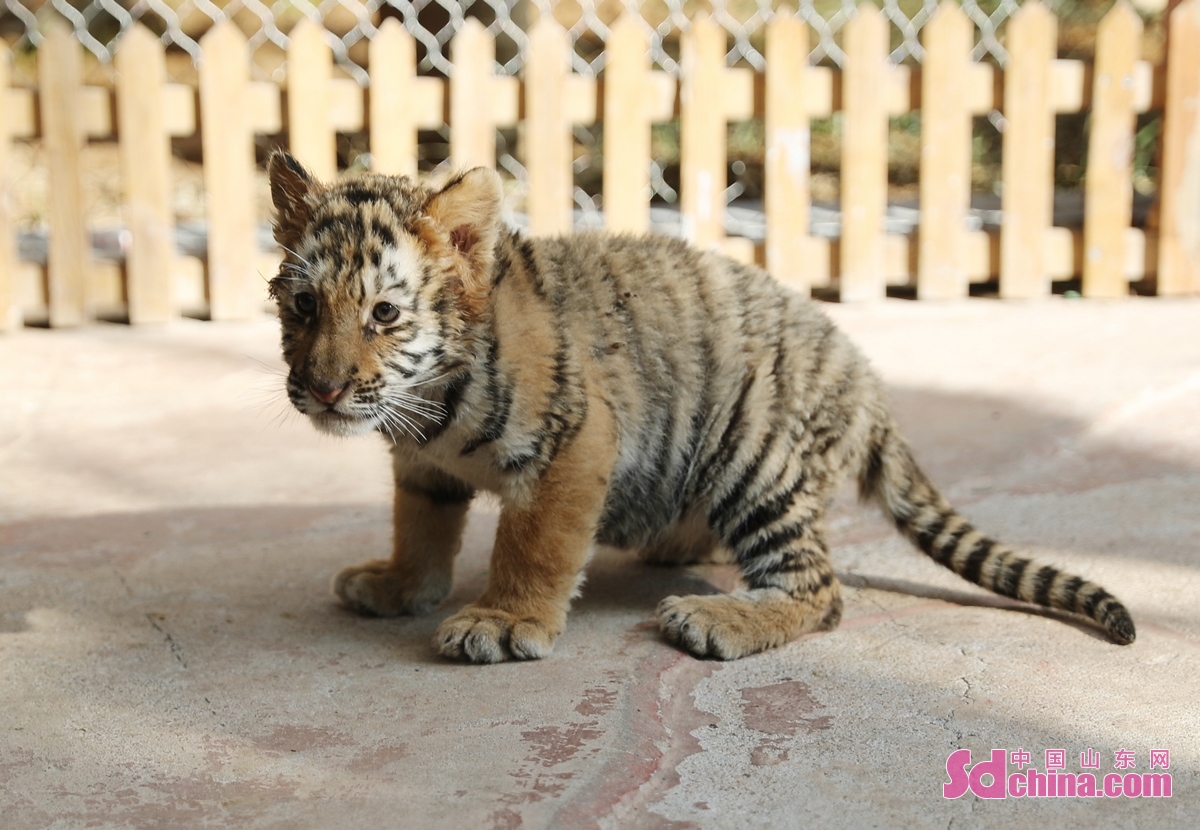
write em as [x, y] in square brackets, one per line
[925, 536]
[454, 182]
[870, 480]
[798, 567]
[662, 459]
[352, 274]
[765, 514]
[294, 165]
[500, 400]
[731, 437]
[567, 406]
[822, 349]
[493, 425]
[518, 463]
[345, 225]
[914, 479]
[449, 493]
[503, 266]
[451, 399]
[383, 233]
[696, 433]
[771, 542]
[946, 549]
[357, 196]
[974, 563]
[1089, 604]
[1070, 592]
[1008, 581]
[721, 512]
[743, 304]
[531, 267]
[1041, 585]
[781, 353]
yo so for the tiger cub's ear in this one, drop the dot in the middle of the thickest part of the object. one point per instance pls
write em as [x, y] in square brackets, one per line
[290, 186]
[467, 210]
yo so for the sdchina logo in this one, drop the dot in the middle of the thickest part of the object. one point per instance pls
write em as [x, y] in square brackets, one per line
[993, 778]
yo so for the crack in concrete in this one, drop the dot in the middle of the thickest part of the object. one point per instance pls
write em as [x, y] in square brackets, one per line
[869, 595]
[175, 648]
[121, 578]
[153, 619]
[967, 694]
[947, 723]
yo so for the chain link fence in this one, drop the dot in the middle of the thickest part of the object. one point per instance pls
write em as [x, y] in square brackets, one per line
[350, 24]
[99, 24]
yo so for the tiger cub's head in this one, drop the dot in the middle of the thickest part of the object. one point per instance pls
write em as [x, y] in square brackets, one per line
[382, 281]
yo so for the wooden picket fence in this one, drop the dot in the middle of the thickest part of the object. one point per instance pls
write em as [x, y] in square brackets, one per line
[941, 260]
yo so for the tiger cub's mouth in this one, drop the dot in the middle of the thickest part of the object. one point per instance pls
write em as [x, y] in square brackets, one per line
[335, 422]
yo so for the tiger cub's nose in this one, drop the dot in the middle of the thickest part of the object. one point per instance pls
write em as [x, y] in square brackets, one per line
[327, 392]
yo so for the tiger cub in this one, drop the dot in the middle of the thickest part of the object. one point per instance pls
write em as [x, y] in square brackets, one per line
[619, 390]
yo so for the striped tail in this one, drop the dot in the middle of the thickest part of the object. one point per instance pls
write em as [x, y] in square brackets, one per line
[891, 476]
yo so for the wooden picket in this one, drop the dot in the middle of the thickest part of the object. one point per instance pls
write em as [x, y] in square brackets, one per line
[634, 98]
[393, 138]
[548, 144]
[702, 134]
[145, 149]
[68, 261]
[1179, 195]
[10, 312]
[788, 141]
[1027, 166]
[473, 120]
[227, 110]
[401, 102]
[1108, 206]
[228, 146]
[311, 137]
[945, 180]
[864, 156]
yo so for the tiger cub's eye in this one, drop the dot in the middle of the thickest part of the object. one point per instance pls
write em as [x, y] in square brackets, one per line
[385, 313]
[306, 303]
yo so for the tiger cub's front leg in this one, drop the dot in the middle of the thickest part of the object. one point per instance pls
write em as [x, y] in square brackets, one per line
[428, 516]
[542, 545]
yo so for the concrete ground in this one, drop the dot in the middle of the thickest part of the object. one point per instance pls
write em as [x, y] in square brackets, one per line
[170, 655]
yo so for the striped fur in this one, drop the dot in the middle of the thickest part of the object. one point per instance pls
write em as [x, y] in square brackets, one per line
[629, 391]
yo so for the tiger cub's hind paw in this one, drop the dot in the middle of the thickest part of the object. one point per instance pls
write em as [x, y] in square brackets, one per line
[730, 626]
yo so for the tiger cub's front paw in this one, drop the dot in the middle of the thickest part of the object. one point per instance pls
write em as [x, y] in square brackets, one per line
[488, 635]
[380, 589]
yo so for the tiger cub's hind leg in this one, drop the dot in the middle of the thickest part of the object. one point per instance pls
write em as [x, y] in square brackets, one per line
[790, 590]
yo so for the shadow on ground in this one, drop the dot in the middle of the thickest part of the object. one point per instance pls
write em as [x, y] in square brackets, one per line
[188, 665]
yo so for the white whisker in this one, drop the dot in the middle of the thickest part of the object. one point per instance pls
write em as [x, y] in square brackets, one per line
[429, 380]
[303, 272]
[412, 396]
[399, 418]
[296, 255]
[276, 370]
[385, 424]
[418, 406]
